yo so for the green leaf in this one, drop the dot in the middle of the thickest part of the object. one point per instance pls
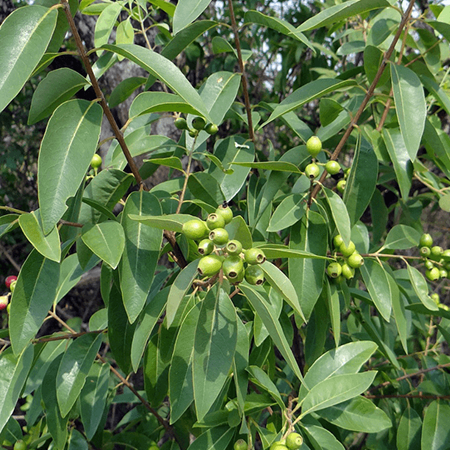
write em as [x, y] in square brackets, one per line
[105, 23]
[8, 222]
[171, 222]
[171, 161]
[340, 214]
[25, 35]
[444, 203]
[13, 374]
[410, 107]
[240, 364]
[66, 151]
[179, 289]
[282, 284]
[204, 186]
[307, 93]
[260, 378]
[358, 414]
[32, 298]
[214, 347]
[274, 251]
[288, 212]
[334, 309]
[149, 102]
[336, 389]
[125, 32]
[186, 12]
[400, 159]
[216, 438]
[341, 12]
[238, 230]
[306, 274]
[361, 182]
[420, 287]
[402, 237]
[47, 245]
[141, 252]
[398, 307]
[377, 283]
[258, 299]
[318, 436]
[435, 430]
[106, 240]
[409, 430]
[124, 89]
[162, 69]
[277, 166]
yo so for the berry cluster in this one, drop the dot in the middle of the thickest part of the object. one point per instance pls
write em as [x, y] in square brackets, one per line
[10, 283]
[218, 252]
[293, 441]
[351, 260]
[198, 124]
[436, 259]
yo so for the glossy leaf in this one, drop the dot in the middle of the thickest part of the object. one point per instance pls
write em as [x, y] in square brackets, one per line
[340, 214]
[186, 12]
[273, 251]
[435, 431]
[318, 436]
[238, 230]
[204, 186]
[240, 364]
[8, 222]
[25, 35]
[334, 309]
[261, 378]
[398, 309]
[124, 90]
[171, 222]
[288, 212]
[216, 438]
[420, 287]
[401, 237]
[409, 430]
[66, 151]
[105, 23]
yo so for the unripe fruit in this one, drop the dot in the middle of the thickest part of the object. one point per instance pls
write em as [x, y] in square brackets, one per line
[347, 250]
[193, 133]
[234, 247]
[199, 123]
[355, 260]
[278, 446]
[232, 266]
[348, 272]
[446, 254]
[215, 221]
[332, 167]
[254, 275]
[225, 212]
[239, 277]
[428, 264]
[432, 274]
[12, 287]
[153, 447]
[4, 300]
[209, 265]
[181, 123]
[444, 307]
[205, 247]
[312, 171]
[219, 236]
[338, 241]
[20, 445]
[294, 441]
[435, 297]
[211, 128]
[425, 251]
[341, 186]
[436, 252]
[254, 256]
[9, 280]
[426, 240]
[194, 229]
[314, 146]
[447, 266]
[347, 172]
[240, 445]
[96, 161]
[334, 269]
[443, 273]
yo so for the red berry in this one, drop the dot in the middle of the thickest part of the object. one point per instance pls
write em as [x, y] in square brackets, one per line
[9, 280]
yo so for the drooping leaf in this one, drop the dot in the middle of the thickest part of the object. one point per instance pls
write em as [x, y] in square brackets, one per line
[186, 12]
[124, 89]
[435, 432]
[409, 430]
[105, 23]
[420, 287]
[288, 212]
[340, 214]
[216, 438]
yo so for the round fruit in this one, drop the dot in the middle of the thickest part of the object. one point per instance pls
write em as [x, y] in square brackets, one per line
[194, 229]
[199, 123]
[312, 171]
[338, 241]
[428, 264]
[12, 287]
[348, 272]
[341, 186]
[209, 265]
[96, 161]
[347, 172]
[4, 299]
[447, 266]
[225, 211]
[314, 146]
[444, 307]
[433, 274]
[20, 445]
[294, 441]
[215, 221]
[425, 251]
[232, 266]
[278, 446]
[426, 240]
[334, 269]
[239, 277]
[436, 252]
[153, 447]
[181, 123]
[355, 260]
[234, 247]
[443, 273]
[219, 236]
[435, 297]
[9, 280]
[193, 133]
[240, 445]
[332, 167]
[254, 256]
[254, 275]
[347, 250]
[205, 247]
[211, 128]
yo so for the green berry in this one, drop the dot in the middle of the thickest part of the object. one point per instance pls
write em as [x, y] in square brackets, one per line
[355, 260]
[181, 123]
[425, 252]
[314, 146]
[443, 273]
[215, 221]
[254, 275]
[205, 247]
[225, 211]
[312, 171]
[447, 266]
[240, 445]
[219, 236]
[433, 274]
[234, 247]
[12, 287]
[278, 446]
[446, 254]
[232, 266]
[294, 441]
[436, 252]
[199, 123]
[435, 297]
[20, 445]
[428, 264]
[209, 265]
[347, 250]
[194, 229]
[96, 161]
[426, 240]
[254, 256]
[211, 128]
[347, 271]
[153, 447]
[193, 133]
[341, 186]
[338, 241]
[334, 269]
[332, 167]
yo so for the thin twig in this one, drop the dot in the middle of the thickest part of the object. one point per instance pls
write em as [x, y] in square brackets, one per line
[66, 336]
